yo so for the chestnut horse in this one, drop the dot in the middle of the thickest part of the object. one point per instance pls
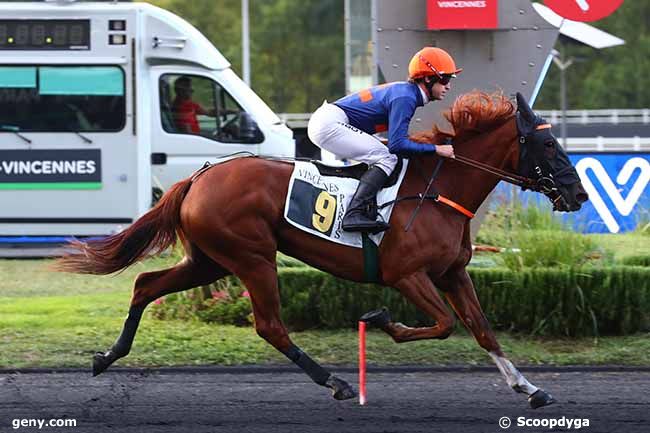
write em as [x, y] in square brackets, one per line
[230, 221]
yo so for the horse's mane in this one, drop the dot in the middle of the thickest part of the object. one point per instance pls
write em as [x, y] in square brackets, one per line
[472, 113]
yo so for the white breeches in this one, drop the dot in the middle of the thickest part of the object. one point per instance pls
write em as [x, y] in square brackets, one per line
[329, 129]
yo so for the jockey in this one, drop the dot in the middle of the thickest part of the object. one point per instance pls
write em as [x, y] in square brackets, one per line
[345, 128]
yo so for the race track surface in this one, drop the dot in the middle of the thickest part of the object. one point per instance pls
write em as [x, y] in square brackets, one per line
[270, 400]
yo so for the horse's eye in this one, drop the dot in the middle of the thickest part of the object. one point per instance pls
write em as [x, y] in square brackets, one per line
[549, 149]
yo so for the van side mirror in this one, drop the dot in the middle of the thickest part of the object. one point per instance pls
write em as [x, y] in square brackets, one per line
[249, 131]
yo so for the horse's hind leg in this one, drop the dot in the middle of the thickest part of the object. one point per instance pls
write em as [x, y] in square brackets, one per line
[260, 277]
[459, 291]
[419, 290]
[150, 286]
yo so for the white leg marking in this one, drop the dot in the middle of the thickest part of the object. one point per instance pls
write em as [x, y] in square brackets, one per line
[514, 378]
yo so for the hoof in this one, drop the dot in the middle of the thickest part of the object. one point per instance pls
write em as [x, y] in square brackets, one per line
[540, 398]
[101, 361]
[378, 318]
[341, 390]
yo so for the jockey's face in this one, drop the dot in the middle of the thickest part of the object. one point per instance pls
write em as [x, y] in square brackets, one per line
[438, 91]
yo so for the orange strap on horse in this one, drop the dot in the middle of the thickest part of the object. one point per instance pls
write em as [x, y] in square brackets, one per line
[435, 197]
[456, 206]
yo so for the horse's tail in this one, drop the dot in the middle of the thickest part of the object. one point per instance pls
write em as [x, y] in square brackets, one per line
[151, 234]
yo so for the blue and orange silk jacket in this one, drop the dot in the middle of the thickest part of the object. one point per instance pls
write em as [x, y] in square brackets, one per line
[388, 107]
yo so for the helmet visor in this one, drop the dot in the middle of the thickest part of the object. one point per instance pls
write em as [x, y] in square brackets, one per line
[445, 78]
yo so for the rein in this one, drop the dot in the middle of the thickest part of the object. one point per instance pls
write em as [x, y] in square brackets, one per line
[515, 179]
[539, 184]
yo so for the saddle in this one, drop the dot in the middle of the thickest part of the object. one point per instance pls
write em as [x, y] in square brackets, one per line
[355, 171]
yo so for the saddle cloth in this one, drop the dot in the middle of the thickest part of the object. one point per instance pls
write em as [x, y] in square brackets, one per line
[316, 203]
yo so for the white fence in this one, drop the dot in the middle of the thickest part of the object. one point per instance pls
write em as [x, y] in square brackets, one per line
[590, 117]
[608, 144]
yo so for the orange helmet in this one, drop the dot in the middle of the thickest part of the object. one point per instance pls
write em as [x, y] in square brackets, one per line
[432, 61]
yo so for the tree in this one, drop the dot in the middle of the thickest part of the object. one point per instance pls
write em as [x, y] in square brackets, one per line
[300, 50]
[297, 46]
[218, 20]
[617, 77]
[297, 53]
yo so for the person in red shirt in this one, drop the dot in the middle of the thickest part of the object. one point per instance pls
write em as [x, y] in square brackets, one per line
[185, 109]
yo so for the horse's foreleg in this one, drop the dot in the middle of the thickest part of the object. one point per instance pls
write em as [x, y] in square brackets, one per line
[148, 287]
[459, 291]
[261, 280]
[419, 290]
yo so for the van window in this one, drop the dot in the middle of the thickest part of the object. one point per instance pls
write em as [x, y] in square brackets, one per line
[62, 98]
[18, 77]
[191, 104]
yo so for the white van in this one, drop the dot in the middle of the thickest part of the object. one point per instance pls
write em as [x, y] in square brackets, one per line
[102, 103]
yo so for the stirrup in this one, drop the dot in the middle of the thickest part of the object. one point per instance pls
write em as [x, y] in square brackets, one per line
[358, 221]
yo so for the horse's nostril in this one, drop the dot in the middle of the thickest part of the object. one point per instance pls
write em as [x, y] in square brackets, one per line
[582, 197]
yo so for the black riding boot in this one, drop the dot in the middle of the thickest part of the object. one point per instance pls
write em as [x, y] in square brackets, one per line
[361, 215]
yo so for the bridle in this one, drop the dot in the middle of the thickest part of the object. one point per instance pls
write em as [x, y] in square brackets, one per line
[540, 183]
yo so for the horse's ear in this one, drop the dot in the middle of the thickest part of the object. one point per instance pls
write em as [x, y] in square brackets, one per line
[525, 115]
[524, 108]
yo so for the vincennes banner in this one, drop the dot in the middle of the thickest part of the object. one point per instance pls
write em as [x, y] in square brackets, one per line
[50, 169]
[462, 14]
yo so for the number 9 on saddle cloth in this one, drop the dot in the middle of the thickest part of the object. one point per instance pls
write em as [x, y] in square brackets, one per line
[318, 197]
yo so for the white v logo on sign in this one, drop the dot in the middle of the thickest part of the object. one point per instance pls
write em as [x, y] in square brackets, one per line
[623, 205]
[583, 5]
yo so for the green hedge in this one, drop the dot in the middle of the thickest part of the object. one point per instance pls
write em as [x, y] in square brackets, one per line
[637, 260]
[614, 300]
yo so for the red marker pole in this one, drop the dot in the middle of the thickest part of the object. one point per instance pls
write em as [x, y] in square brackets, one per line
[362, 363]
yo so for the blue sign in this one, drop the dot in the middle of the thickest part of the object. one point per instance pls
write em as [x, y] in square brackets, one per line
[617, 184]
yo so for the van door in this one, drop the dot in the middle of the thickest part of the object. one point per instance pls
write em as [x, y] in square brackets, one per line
[198, 121]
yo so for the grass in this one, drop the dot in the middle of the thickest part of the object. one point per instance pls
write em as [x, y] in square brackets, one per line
[67, 330]
[60, 320]
[624, 244]
[615, 247]
[540, 238]
[27, 278]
